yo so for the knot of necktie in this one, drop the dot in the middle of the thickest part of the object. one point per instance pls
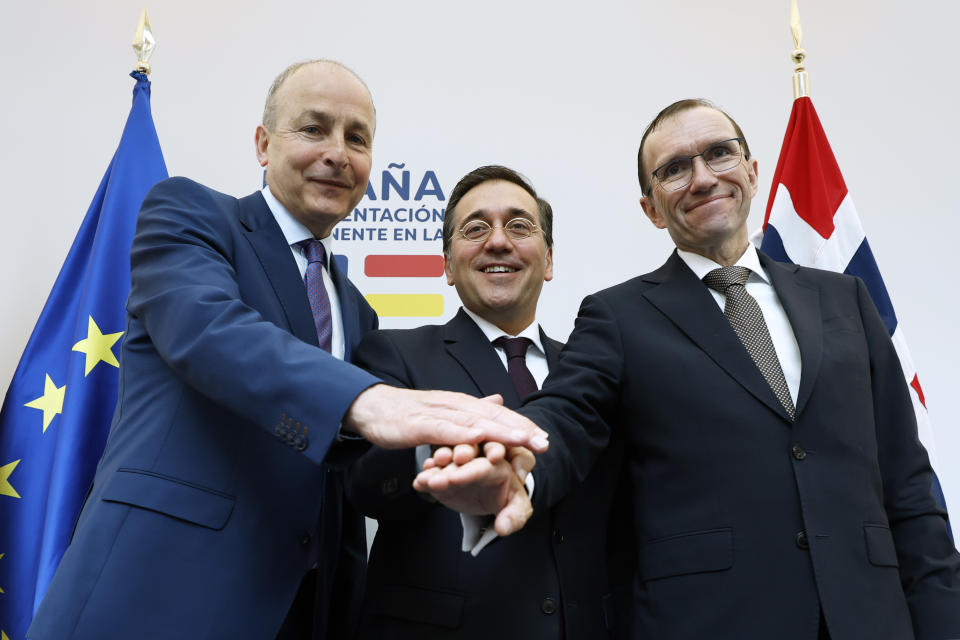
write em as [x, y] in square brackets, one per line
[314, 251]
[720, 279]
[516, 350]
[513, 347]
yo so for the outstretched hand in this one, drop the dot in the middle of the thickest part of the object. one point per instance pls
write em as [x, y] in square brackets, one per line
[395, 418]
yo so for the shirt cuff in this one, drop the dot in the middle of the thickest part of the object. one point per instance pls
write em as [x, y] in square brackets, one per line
[478, 531]
[421, 453]
[346, 436]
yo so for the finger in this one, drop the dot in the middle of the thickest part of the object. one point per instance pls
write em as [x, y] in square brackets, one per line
[522, 461]
[494, 451]
[421, 481]
[464, 453]
[429, 463]
[512, 429]
[459, 416]
[477, 472]
[442, 456]
[496, 398]
[514, 515]
[439, 482]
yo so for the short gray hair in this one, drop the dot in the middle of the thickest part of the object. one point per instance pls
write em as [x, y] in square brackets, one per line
[270, 106]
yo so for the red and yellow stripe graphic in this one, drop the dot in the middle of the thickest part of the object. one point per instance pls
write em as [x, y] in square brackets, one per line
[405, 305]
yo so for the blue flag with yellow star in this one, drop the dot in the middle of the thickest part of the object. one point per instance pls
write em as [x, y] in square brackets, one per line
[58, 408]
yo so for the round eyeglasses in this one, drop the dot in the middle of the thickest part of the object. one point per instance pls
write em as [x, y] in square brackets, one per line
[516, 229]
[720, 156]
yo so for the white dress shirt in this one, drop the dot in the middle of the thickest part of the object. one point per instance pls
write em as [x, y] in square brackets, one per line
[759, 286]
[478, 531]
[295, 232]
[536, 354]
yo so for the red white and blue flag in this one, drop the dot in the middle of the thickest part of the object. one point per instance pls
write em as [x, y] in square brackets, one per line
[811, 221]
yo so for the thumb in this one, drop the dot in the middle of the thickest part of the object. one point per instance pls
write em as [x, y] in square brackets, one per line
[514, 515]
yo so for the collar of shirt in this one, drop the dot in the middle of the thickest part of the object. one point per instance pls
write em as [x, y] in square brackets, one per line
[293, 230]
[493, 332]
[701, 266]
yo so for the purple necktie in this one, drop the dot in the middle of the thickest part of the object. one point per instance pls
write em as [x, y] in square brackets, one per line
[316, 291]
[516, 350]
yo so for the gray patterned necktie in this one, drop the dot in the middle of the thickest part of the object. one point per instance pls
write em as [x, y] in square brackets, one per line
[745, 317]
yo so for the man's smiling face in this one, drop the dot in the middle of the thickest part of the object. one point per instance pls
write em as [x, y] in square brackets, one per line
[318, 154]
[499, 278]
[709, 215]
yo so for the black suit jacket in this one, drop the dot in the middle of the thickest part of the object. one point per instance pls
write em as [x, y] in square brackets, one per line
[550, 580]
[749, 524]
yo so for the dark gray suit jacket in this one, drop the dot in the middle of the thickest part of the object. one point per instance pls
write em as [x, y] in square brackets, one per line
[749, 524]
[550, 580]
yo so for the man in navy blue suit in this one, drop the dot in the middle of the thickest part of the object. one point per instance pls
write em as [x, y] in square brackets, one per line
[421, 585]
[779, 485]
[216, 510]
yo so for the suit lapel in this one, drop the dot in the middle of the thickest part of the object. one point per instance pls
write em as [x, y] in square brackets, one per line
[349, 314]
[468, 345]
[688, 304]
[802, 305]
[272, 250]
[551, 348]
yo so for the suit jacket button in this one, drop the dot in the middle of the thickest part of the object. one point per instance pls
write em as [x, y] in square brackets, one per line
[557, 536]
[798, 452]
[548, 606]
[802, 541]
[305, 538]
[390, 486]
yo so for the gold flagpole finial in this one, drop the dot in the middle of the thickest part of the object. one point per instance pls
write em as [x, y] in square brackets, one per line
[144, 43]
[801, 83]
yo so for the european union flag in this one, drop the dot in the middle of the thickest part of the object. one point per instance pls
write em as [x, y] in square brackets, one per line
[58, 408]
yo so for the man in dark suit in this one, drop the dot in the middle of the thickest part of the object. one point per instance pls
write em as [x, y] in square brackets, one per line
[551, 579]
[220, 486]
[779, 485]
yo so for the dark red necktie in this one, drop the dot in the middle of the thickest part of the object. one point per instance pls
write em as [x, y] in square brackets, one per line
[516, 350]
[316, 291]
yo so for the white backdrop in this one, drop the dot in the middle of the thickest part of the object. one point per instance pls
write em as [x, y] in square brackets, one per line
[558, 90]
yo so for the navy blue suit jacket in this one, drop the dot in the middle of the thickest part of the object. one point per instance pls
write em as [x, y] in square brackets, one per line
[748, 524]
[550, 580]
[223, 464]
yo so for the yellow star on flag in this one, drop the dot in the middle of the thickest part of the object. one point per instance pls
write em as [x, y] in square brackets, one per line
[51, 402]
[97, 346]
[4, 636]
[6, 489]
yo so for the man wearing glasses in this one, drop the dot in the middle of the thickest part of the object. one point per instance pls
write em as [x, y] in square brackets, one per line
[779, 486]
[550, 580]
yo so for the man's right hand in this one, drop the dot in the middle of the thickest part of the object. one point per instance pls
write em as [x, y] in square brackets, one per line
[395, 418]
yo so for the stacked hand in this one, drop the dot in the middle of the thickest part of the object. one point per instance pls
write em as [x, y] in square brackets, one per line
[458, 477]
[472, 484]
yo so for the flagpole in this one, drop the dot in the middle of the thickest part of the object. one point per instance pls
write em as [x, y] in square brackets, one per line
[801, 82]
[811, 221]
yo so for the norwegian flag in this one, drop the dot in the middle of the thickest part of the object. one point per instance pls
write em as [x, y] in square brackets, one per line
[811, 221]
